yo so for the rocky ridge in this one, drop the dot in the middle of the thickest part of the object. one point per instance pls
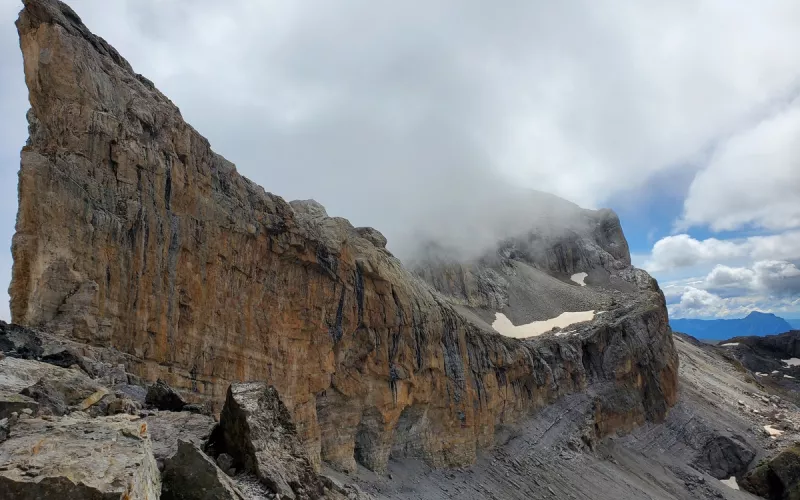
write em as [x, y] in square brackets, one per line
[136, 241]
[710, 443]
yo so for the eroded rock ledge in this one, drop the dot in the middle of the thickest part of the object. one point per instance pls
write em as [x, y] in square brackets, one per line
[134, 236]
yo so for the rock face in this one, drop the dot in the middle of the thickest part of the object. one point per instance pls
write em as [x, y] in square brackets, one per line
[191, 475]
[777, 478]
[57, 389]
[78, 458]
[162, 396]
[257, 429]
[168, 428]
[134, 236]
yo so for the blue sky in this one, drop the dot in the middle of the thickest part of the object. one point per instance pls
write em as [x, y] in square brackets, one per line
[415, 116]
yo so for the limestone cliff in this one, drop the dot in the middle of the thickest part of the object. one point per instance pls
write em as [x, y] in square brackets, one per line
[132, 234]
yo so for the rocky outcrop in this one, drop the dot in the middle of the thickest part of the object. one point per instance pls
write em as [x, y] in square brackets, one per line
[191, 475]
[59, 390]
[168, 428]
[777, 478]
[562, 241]
[78, 458]
[134, 237]
[257, 430]
[163, 397]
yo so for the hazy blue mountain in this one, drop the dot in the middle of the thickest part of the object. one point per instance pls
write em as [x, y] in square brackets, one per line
[795, 323]
[755, 323]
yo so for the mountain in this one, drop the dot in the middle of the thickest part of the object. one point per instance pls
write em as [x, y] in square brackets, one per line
[134, 235]
[755, 323]
[795, 323]
[213, 339]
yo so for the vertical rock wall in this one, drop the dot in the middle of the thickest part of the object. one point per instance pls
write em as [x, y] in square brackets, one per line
[133, 234]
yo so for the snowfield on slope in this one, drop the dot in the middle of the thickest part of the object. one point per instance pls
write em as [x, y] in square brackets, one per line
[504, 326]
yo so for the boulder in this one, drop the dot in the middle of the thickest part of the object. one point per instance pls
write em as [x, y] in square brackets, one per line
[122, 405]
[16, 341]
[191, 475]
[56, 389]
[168, 428]
[11, 402]
[724, 456]
[777, 478]
[225, 462]
[257, 430]
[133, 392]
[75, 458]
[163, 397]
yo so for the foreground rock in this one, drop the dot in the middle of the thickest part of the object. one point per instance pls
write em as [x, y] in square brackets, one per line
[777, 478]
[168, 428]
[77, 458]
[132, 234]
[544, 457]
[257, 430]
[163, 397]
[54, 389]
[191, 475]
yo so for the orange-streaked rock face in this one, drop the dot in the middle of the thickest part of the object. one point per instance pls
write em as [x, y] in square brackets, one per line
[132, 234]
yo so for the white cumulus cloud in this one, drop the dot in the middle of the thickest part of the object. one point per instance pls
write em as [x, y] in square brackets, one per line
[752, 180]
[681, 250]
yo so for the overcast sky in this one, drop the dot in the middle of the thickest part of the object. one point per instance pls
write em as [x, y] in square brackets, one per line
[412, 117]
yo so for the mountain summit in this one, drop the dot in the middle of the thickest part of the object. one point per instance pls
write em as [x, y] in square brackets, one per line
[754, 324]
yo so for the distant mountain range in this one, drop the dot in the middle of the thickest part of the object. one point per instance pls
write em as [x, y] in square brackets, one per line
[755, 323]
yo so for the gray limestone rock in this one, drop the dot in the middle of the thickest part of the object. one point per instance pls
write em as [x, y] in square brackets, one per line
[163, 397]
[257, 430]
[225, 462]
[11, 402]
[75, 458]
[191, 475]
[373, 235]
[55, 388]
[167, 428]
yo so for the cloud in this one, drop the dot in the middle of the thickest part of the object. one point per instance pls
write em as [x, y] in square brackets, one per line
[752, 180]
[422, 118]
[772, 286]
[697, 303]
[771, 277]
[777, 277]
[722, 276]
[693, 299]
[683, 251]
[403, 116]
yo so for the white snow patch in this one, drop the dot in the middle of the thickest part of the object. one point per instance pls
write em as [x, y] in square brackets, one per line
[730, 344]
[730, 482]
[774, 372]
[772, 431]
[787, 376]
[504, 326]
[759, 374]
[792, 361]
[564, 333]
[578, 278]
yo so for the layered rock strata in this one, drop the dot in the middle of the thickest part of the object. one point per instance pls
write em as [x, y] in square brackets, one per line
[134, 236]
